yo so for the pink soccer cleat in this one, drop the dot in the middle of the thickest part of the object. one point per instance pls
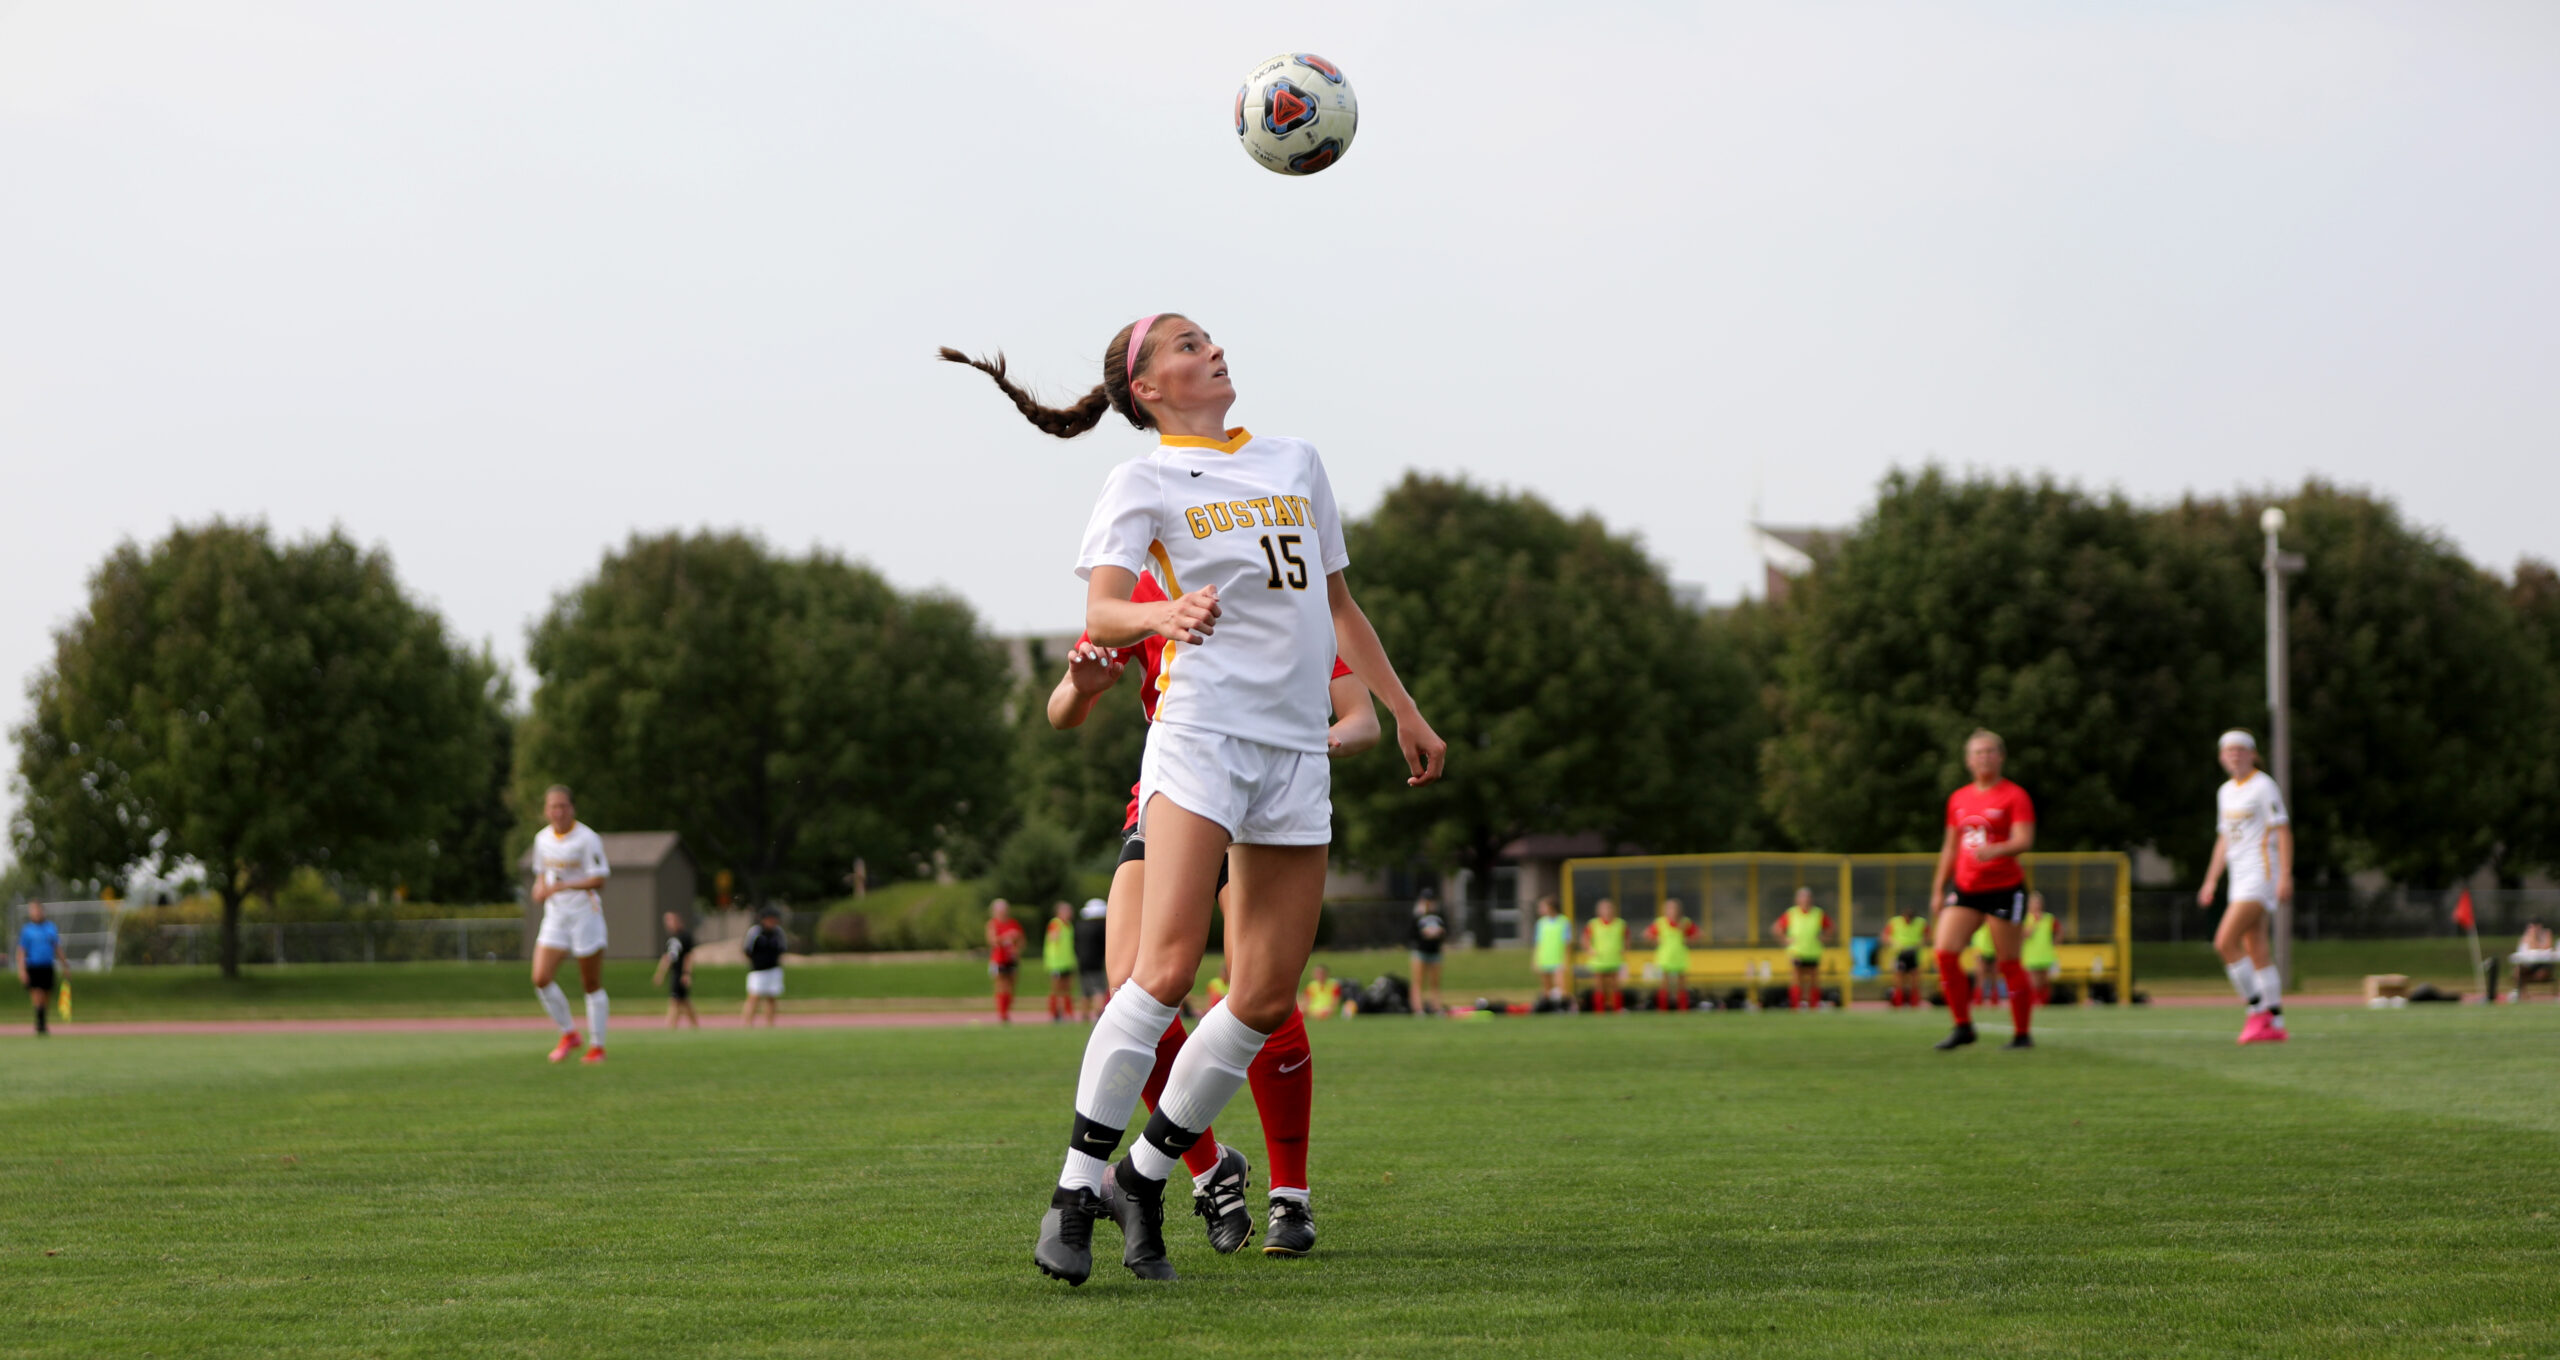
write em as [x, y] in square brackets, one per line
[2257, 1030]
[566, 1049]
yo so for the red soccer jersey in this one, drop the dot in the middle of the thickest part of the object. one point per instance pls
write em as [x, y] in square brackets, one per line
[1008, 943]
[1980, 815]
[1148, 653]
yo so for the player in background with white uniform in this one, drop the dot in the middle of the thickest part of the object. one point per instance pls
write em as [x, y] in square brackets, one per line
[569, 871]
[1245, 536]
[2254, 841]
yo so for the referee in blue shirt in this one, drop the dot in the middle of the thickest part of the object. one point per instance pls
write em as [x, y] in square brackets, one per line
[39, 940]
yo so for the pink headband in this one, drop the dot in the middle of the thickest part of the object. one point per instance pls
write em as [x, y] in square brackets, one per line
[1137, 338]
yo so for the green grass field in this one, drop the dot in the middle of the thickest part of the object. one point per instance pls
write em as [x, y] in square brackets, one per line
[2387, 1184]
[423, 989]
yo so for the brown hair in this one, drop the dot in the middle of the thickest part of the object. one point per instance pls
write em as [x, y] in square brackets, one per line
[1113, 394]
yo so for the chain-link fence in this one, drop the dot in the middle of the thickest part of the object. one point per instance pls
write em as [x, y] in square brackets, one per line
[2325, 914]
[487, 939]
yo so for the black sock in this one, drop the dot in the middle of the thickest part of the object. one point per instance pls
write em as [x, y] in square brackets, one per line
[40, 1020]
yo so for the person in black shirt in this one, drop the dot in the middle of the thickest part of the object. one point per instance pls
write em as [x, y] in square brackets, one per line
[1429, 933]
[675, 969]
[764, 968]
[1093, 980]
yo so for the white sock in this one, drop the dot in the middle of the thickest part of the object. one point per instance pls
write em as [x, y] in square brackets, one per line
[2244, 980]
[597, 1009]
[1201, 1181]
[1118, 1054]
[1288, 1192]
[1206, 1076]
[2271, 991]
[556, 1002]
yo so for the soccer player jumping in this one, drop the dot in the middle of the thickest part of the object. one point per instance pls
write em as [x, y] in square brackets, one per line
[1990, 822]
[2254, 841]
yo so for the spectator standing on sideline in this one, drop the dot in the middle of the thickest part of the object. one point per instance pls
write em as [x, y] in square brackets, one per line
[1554, 938]
[675, 969]
[1803, 925]
[1906, 932]
[1004, 955]
[1058, 956]
[39, 953]
[2036, 952]
[765, 946]
[1430, 932]
[1670, 933]
[1093, 959]
[1605, 940]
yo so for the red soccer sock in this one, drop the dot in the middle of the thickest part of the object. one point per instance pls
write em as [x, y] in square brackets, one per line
[1004, 1005]
[2022, 993]
[1203, 1154]
[1284, 1091]
[1795, 997]
[1959, 987]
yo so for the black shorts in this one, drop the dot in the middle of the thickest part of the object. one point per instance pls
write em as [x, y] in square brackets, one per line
[1007, 970]
[39, 977]
[678, 990]
[1133, 850]
[2009, 904]
[1907, 961]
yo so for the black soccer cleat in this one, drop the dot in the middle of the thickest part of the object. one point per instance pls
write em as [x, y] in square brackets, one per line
[1957, 1037]
[1293, 1228]
[2018, 1040]
[1065, 1249]
[1139, 1209]
[1221, 1202]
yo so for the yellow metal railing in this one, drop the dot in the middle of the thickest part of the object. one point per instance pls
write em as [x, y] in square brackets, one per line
[1735, 899]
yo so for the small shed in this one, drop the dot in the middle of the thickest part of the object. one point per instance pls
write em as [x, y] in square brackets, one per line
[652, 874]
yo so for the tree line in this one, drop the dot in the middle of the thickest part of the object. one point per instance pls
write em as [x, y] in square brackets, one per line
[255, 707]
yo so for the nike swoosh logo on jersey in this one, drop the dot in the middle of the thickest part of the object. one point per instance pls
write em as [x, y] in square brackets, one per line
[1287, 1068]
[1195, 472]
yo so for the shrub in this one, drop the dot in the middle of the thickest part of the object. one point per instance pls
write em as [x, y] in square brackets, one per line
[1036, 867]
[843, 930]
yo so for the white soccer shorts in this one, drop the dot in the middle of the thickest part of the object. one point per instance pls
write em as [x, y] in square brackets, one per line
[1262, 795]
[764, 982]
[2251, 884]
[580, 930]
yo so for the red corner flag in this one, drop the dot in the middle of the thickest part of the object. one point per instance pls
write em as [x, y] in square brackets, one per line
[2462, 912]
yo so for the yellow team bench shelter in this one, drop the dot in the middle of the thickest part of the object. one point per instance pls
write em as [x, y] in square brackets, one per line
[1736, 899]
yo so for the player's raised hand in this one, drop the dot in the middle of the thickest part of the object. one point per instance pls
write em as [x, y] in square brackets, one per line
[1191, 618]
[1424, 752]
[1093, 669]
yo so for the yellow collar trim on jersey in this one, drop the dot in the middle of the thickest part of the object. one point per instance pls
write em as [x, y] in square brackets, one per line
[1237, 437]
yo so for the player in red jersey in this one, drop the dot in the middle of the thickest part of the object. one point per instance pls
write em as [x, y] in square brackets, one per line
[1990, 822]
[1282, 1077]
[1004, 954]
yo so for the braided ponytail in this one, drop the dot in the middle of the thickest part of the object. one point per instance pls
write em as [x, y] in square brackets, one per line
[1112, 395]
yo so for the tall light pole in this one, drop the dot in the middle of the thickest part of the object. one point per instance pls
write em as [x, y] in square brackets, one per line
[2279, 564]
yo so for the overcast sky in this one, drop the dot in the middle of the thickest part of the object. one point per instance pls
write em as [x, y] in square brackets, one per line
[495, 285]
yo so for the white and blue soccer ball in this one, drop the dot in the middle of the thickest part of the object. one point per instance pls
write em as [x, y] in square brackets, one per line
[1296, 114]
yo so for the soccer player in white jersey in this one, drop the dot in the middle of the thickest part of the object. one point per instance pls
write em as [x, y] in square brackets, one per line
[2255, 843]
[569, 871]
[1244, 536]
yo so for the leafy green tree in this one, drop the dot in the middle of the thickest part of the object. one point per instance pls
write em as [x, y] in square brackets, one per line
[1575, 692]
[1035, 867]
[1078, 779]
[2077, 627]
[2533, 836]
[253, 708]
[785, 714]
[2418, 695]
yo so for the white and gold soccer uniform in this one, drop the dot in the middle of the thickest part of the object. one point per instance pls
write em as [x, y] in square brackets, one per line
[573, 921]
[1239, 735]
[2251, 809]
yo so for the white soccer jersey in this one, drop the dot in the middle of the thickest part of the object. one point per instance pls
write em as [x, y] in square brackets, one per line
[1256, 518]
[2251, 809]
[566, 859]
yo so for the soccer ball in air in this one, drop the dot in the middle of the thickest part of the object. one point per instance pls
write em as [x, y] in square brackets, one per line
[1296, 114]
